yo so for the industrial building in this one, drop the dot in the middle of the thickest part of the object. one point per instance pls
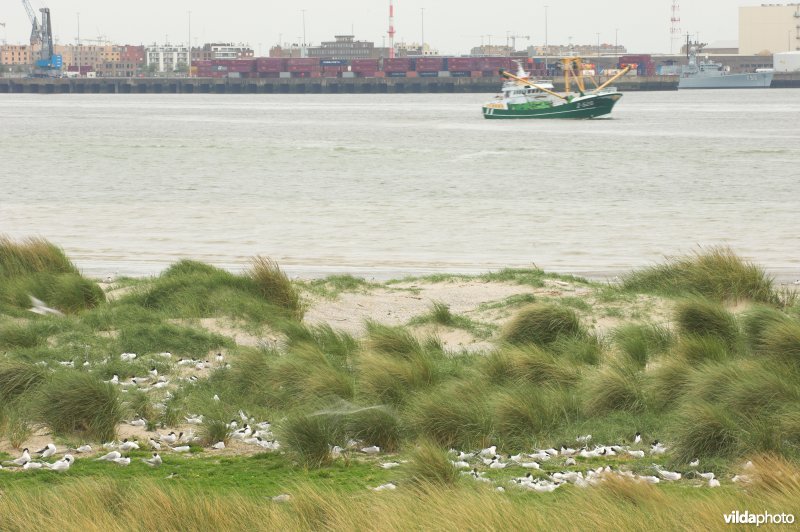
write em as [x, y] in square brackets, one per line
[769, 28]
[345, 47]
[16, 54]
[167, 58]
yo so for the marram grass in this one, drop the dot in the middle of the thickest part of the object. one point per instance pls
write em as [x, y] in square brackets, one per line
[715, 273]
[105, 504]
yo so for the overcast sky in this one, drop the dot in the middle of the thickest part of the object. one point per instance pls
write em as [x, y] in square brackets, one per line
[451, 26]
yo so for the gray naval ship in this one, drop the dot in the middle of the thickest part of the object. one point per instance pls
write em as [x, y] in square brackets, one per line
[711, 75]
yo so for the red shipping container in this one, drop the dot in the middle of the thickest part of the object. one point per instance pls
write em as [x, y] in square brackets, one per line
[361, 63]
[270, 64]
[398, 64]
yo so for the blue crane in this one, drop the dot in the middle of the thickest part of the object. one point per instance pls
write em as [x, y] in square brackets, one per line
[49, 64]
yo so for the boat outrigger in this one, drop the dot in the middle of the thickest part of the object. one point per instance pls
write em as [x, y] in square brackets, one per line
[524, 98]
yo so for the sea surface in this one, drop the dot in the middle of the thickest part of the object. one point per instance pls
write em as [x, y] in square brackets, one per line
[387, 185]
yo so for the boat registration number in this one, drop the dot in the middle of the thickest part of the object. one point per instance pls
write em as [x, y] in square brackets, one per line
[584, 105]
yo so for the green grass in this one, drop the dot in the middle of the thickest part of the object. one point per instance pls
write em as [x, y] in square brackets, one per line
[716, 273]
[455, 414]
[615, 387]
[782, 340]
[311, 437]
[18, 378]
[704, 318]
[704, 430]
[333, 286]
[429, 464]
[705, 389]
[190, 289]
[639, 343]
[73, 403]
[275, 286]
[440, 314]
[32, 255]
[182, 341]
[542, 324]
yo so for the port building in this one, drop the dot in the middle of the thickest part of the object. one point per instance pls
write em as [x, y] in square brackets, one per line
[769, 28]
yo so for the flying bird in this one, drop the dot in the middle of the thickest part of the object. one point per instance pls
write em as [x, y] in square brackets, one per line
[39, 307]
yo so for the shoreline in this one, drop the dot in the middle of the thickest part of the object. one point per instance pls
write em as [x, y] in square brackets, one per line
[140, 270]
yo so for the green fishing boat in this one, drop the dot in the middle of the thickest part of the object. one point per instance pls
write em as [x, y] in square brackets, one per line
[522, 97]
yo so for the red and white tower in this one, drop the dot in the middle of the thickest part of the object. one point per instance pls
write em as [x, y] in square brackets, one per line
[391, 29]
[675, 25]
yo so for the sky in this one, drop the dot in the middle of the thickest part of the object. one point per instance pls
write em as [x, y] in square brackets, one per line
[451, 26]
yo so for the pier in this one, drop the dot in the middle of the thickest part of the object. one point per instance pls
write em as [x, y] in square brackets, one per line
[289, 85]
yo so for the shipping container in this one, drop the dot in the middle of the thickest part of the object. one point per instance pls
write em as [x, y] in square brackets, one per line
[398, 64]
[332, 62]
[429, 64]
[395, 74]
[428, 74]
[461, 64]
[459, 74]
[372, 63]
[270, 64]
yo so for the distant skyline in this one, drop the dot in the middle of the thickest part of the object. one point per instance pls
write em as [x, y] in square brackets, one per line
[451, 26]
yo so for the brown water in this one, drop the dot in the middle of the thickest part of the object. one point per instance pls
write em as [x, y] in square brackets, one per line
[382, 185]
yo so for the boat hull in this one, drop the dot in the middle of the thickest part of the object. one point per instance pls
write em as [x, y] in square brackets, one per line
[755, 80]
[585, 107]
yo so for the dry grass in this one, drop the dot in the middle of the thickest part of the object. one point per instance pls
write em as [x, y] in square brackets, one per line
[616, 505]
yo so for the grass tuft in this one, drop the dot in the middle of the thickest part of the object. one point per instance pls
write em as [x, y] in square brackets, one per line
[214, 431]
[17, 378]
[782, 340]
[73, 403]
[396, 341]
[613, 388]
[310, 437]
[430, 464]
[701, 317]
[705, 430]
[640, 342]
[716, 273]
[542, 324]
[701, 349]
[454, 414]
[274, 285]
[756, 320]
[32, 255]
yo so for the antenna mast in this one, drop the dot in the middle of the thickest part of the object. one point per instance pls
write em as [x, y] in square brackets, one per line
[675, 25]
[391, 29]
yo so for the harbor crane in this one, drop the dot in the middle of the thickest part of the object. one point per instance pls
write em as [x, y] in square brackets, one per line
[514, 38]
[49, 64]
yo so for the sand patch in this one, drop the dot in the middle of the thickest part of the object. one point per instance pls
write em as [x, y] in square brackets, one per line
[399, 303]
